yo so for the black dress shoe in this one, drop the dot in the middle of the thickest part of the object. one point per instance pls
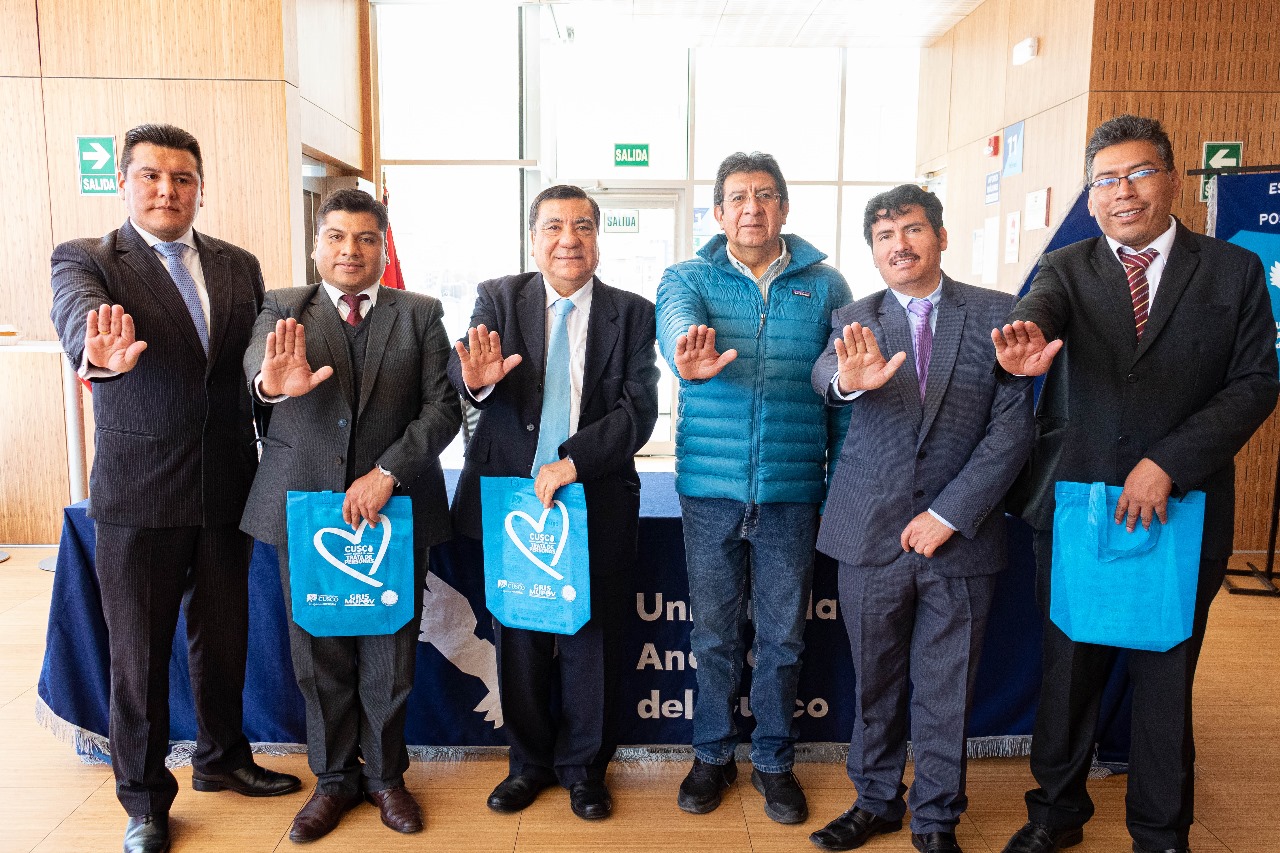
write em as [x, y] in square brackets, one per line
[853, 829]
[936, 842]
[320, 815]
[147, 834]
[250, 780]
[1038, 838]
[705, 784]
[590, 800]
[516, 793]
[1137, 849]
[784, 800]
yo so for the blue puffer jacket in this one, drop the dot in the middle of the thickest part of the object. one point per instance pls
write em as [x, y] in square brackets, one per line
[757, 432]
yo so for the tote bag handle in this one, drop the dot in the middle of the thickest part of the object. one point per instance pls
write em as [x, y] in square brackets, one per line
[1140, 541]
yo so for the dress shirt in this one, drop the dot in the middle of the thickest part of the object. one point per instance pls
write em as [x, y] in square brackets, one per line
[774, 270]
[576, 326]
[190, 260]
[1162, 244]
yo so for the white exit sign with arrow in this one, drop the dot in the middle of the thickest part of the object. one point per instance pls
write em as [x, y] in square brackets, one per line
[1219, 155]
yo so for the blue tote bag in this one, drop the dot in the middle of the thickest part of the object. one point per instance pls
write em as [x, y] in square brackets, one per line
[345, 582]
[1115, 588]
[536, 567]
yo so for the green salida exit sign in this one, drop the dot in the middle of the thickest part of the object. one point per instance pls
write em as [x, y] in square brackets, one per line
[630, 154]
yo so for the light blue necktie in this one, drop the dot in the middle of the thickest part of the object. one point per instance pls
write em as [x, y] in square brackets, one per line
[187, 287]
[556, 390]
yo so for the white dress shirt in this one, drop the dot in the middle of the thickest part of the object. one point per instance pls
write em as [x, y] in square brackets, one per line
[1163, 245]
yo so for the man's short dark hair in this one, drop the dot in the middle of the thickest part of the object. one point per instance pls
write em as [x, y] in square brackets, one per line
[742, 162]
[163, 135]
[559, 192]
[351, 200]
[1128, 128]
[893, 203]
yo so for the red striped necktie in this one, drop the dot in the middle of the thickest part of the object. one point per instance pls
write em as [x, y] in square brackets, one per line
[1135, 266]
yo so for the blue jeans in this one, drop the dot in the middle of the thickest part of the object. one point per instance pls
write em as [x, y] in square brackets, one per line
[762, 553]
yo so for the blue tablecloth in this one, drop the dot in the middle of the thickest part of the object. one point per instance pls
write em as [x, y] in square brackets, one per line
[453, 704]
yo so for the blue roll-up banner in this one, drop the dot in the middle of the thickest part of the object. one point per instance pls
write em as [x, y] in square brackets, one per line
[347, 582]
[536, 566]
[1245, 210]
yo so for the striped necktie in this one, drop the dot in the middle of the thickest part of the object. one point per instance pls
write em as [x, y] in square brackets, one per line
[1135, 267]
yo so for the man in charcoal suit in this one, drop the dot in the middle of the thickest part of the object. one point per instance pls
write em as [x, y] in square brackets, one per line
[366, 409]
[915, 516]
[169, 313]
[572, 400]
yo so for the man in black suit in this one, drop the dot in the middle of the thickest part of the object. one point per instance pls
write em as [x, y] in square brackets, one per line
[158, 317]
[612, 396]
[376, 428]
[1170, 367]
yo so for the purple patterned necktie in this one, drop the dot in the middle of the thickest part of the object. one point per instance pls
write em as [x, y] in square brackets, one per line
[922, 338]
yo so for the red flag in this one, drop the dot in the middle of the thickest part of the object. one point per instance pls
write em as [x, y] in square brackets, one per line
[391, 277]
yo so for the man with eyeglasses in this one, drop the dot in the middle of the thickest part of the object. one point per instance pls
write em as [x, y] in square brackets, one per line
[751, 452]
[1170, 368]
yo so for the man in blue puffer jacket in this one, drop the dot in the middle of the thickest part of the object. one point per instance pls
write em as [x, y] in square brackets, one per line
[752, 443]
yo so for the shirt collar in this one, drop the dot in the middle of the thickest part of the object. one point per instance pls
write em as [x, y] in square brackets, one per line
[580, 299]
[934, 297]
[335, 294]
[781, 261]
[1162, 244]
[188, 239]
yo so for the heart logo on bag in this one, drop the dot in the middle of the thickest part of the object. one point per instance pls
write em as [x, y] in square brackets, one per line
[354, 538]
[538, 527]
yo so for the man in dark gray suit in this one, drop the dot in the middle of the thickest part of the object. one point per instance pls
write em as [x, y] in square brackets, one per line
[1170, 369]
[915, 516]
[581, 423]
[365, 410]
[157, 316]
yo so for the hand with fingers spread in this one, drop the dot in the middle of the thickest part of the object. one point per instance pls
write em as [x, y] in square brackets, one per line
[1145, 494]
[696, 354]
[285, 369]
[110, 341]
[1022, 350]
[860, 365]
[482, 361]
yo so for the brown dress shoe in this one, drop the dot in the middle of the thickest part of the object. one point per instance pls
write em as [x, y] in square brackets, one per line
[399, 809]
[320, 815]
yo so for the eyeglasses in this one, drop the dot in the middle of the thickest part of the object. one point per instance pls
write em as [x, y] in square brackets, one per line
[764, 197]
[1134, 178]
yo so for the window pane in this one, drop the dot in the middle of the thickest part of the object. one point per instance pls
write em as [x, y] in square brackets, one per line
[454, 227]
[784, 102]
[450, 81]
[598, 96]
[855, 255]
[880, 120]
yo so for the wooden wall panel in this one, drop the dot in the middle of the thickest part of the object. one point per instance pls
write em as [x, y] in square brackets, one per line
[933, 121]
[978, 74]
[1060, 71]
[25, 296]
[214, 39]
[243, 131]
[326, 138]
[20, 47]
[329, 58]
[1182, 45]
[33, 483]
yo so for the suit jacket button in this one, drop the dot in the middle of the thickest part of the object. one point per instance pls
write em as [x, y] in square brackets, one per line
[529, 427]
[922, 454]
[339, 460]
[919, 493]
[1131, 378]
[342, 422]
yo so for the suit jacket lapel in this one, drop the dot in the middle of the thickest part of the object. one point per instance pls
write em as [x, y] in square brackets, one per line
[946, 344]
[1181, 264]
[380, 319]
[221, 292]
[142, 259]
[531, 315]
[602, 335]
[895, 337]
[322, 315]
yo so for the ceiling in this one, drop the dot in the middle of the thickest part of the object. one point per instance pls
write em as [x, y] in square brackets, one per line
[757, 23]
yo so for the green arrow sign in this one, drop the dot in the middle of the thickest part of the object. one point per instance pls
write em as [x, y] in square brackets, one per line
[630, 154]
[1219, 155]
[96, 164]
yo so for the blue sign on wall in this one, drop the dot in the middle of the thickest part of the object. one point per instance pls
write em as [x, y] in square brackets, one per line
[1245, 210]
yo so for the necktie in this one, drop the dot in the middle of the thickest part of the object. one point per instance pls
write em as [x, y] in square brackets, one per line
[1135, 267]
[922, 339]
[353, 307]
[186, 287]
[554, 429]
